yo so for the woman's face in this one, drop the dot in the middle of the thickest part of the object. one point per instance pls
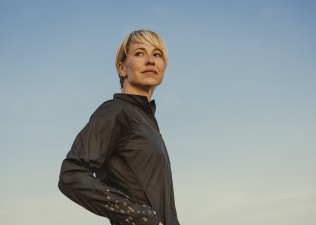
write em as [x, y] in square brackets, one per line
[143, 68]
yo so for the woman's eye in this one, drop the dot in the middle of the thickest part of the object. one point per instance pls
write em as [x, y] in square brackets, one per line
[139, 53]
[157, 54]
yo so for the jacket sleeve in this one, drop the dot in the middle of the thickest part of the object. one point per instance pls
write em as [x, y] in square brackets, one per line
[91, 148]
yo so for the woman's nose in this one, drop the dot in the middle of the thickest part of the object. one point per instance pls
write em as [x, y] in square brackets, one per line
[150, 60]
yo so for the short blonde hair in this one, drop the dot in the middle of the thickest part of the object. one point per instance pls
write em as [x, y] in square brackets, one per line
[140, 36]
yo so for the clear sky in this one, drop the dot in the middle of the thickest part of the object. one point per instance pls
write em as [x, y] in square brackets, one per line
[237, 107]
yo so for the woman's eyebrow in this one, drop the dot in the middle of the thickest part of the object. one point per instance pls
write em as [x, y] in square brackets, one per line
[137, 49]
[144, 49]
[140, 48]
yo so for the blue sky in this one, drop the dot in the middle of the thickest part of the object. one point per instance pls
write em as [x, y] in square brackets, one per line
[237, 106]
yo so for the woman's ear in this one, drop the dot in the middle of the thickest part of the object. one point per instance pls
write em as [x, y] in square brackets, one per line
[121, 69]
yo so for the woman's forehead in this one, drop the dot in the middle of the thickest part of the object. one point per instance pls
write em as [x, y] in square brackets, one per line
[142, 45]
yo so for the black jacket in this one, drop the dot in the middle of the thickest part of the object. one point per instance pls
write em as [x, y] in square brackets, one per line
[118, 166]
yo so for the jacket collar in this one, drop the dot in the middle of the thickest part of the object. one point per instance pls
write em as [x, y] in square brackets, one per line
[138, 100]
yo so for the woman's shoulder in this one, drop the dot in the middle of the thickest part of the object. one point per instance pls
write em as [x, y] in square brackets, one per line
[111, 108]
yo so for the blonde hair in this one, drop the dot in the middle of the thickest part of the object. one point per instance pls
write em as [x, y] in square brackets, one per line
[139, 36]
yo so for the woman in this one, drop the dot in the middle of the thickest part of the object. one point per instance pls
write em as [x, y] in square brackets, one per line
[118, 166]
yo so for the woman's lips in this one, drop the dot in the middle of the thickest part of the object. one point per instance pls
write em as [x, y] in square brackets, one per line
[150, 71]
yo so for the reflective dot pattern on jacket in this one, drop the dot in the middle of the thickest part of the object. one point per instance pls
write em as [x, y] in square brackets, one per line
[125, 208]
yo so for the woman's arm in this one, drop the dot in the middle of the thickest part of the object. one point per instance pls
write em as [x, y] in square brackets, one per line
[77, 183]
[90, 150]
